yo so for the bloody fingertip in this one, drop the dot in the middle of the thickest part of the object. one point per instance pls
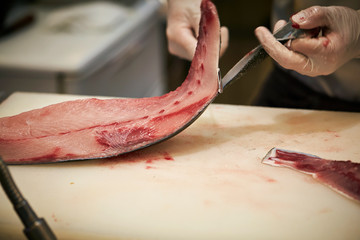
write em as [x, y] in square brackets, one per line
[295, 25]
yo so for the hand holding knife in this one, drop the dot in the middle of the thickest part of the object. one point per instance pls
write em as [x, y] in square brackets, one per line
[258, 54]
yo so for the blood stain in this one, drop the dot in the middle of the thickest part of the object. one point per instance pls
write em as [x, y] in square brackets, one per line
[326, 42]
[168, 157]
[136, 157]
[295, 25]
[270, 180]
[325, 210]
[54, 217]
[249, 53]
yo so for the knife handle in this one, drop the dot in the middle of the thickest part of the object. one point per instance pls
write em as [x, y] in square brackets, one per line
[258, 54]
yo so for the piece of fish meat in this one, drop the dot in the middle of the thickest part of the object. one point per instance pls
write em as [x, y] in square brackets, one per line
[341, 176]
[94, 128]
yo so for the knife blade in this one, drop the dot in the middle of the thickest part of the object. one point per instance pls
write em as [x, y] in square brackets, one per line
[258, 54]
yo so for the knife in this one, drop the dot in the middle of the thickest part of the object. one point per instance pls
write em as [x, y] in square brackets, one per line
[258, 54]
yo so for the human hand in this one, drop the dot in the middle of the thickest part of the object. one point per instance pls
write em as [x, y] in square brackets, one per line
[183, 19]
[321, 55]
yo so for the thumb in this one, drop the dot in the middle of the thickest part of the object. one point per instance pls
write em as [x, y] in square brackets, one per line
[312, 17]
[224, 39]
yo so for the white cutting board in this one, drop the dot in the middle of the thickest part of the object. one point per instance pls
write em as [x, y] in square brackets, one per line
[208, 182]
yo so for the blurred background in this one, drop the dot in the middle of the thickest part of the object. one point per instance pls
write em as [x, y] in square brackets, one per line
[114, 48]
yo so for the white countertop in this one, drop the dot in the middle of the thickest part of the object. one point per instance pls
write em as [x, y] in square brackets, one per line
[208, 182]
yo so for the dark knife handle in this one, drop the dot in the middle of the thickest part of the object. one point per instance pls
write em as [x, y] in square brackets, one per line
[258, 54]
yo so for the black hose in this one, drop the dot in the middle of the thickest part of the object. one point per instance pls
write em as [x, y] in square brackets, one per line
[35, 228]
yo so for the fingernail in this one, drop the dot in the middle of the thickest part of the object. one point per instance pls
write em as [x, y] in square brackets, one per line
[295, 25]
[298, 17]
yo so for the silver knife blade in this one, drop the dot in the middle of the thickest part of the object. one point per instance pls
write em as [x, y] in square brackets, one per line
[258, 54]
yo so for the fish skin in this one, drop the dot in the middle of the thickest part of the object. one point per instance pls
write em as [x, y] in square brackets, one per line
[341, 176]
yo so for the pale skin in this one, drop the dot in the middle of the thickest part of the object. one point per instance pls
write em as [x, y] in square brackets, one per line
[321, 55]
[183, 28]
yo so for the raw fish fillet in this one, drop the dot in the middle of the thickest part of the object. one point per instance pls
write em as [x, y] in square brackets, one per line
[341, 176]
[94, 128]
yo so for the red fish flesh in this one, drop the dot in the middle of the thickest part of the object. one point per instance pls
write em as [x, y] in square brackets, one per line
[341, 176]
[94, 128]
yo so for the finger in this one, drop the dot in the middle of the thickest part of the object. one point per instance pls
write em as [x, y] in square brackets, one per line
[224, 33]
[181, 42]
[273, 47]
[286, 58]
[312, 17]
[195, 27]
[278, 25]
[311, 46]
[188, 42]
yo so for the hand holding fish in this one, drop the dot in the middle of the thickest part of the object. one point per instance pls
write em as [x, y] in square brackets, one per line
[182, 30]
[338, 43]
